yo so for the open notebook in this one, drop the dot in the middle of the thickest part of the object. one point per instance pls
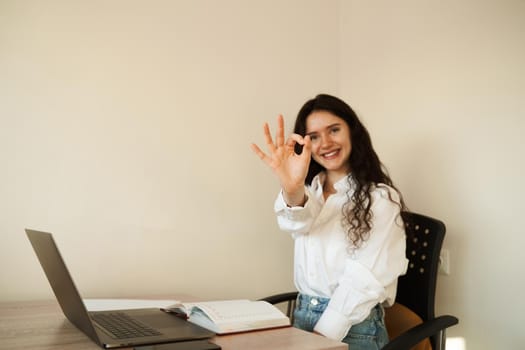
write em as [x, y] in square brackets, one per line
[231, 316]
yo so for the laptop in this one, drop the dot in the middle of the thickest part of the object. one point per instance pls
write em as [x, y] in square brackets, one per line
[141, 326]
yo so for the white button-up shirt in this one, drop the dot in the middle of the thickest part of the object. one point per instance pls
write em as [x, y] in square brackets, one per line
[325, 265]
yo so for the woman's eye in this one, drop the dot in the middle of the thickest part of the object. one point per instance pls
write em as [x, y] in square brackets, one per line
[313, 137]
[335, 130]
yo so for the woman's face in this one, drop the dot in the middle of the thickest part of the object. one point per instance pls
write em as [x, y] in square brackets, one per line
[331, 144]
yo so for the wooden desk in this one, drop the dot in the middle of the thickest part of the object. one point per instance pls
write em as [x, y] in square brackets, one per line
[40, 325]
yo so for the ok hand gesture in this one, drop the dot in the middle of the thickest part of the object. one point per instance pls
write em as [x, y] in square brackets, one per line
[290, 168]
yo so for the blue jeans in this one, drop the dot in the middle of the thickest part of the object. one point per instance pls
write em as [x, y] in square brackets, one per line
[370, 334]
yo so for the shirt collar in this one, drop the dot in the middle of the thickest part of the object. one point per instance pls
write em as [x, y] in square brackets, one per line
[342, 185]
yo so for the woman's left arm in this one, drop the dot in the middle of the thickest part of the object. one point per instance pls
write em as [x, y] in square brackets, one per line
[370, 275]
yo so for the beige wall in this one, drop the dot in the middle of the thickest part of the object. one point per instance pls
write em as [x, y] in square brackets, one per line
[441, 85]
[124, 129]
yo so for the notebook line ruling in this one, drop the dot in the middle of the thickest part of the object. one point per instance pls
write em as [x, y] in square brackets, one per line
[115, 328]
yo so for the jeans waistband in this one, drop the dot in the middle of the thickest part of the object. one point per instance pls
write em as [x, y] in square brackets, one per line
[313, 303]
[316, 303]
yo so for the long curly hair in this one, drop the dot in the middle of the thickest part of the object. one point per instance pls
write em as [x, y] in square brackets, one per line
[366, 169]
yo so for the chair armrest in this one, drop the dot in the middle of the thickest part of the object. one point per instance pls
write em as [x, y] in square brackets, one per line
[289, 298]
[280, 298]
[424, 330]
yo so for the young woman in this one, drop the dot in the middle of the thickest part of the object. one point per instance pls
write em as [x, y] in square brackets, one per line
[343, 212]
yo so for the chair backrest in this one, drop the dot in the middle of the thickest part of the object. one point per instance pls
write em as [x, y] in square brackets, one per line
[417, 288]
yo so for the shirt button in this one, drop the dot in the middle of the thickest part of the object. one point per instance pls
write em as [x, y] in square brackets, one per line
[314, 302]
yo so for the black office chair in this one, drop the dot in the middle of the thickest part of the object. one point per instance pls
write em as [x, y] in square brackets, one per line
[411, 322]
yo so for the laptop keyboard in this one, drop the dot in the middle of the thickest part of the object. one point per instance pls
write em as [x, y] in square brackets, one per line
[122, 326]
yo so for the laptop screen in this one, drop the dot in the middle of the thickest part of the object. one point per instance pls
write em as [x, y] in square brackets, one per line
[61, 282]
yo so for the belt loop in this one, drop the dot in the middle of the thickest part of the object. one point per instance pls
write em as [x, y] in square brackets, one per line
[380, 310]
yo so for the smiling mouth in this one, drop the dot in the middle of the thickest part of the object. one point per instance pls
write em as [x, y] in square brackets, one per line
[330, 155]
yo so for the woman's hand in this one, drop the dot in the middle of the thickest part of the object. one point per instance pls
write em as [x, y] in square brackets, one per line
[290, 168]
